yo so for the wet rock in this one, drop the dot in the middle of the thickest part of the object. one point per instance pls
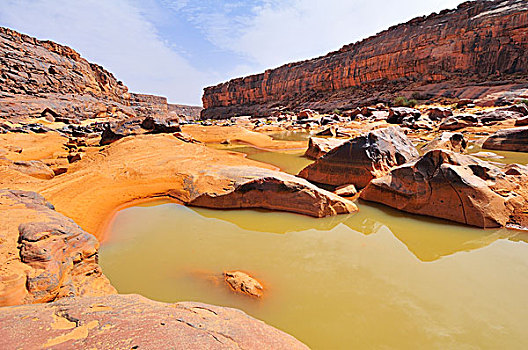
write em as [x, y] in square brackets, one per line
[361, 159]
[449, 141]
[134, 322]
[262, 188]
[317, 147]
[455, 187]
[243, 283]
[515, 139]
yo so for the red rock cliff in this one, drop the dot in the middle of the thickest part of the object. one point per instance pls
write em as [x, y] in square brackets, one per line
[480, 47]
[36, 75]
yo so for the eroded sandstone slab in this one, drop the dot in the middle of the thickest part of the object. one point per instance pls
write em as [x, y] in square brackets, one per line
[134, 322]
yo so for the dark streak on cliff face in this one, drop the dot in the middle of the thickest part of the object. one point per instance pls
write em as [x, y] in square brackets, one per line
[477, 49]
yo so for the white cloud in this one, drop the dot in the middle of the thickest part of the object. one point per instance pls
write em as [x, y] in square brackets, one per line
[282, 31]
[113, 34]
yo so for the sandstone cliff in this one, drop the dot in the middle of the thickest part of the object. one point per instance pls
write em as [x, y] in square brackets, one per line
[479, 50]
[37, 75]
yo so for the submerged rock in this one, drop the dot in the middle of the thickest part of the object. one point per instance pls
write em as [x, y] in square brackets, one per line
[515, 139]
[134, 322]
[318, 147]
[359, 160]
[243, 283]
[456, 187]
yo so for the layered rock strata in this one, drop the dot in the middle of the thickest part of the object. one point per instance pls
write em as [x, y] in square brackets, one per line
[42, 77]
[477, 51]
[45, 256]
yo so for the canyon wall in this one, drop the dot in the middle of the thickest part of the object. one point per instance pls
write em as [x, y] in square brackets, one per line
[479, 50]
[36, 75]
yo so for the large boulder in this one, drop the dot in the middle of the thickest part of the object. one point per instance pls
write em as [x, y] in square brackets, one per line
[361, 159]
[318, 147]
[455, 187]
[497, 115]
[252, 187]
[449, 141]
[134, 322]
[515, 139]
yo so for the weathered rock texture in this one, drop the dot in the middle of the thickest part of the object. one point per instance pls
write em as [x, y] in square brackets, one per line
[361, 159]
[39, 77]
[479, 50]
[45, 256]
[515, 139]
[147, 166]
[134, 322]
[456, 187]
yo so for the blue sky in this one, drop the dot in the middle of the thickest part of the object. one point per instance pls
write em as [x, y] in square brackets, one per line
[175, 48]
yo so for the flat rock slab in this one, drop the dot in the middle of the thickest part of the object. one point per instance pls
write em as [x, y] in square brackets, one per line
[134, 322]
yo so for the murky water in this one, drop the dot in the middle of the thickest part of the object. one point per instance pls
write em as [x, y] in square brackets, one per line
[289, 161]
[377, 279]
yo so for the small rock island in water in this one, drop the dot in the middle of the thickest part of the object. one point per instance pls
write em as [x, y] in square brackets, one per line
[424, 124]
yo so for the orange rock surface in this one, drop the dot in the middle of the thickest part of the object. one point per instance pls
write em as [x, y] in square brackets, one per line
[134, 322]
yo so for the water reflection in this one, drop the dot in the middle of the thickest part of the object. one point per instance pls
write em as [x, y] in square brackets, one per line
[428, 239]
[376, 279]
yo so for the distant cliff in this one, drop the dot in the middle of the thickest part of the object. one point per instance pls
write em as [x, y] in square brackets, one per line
[36, 75]
[476, 50]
